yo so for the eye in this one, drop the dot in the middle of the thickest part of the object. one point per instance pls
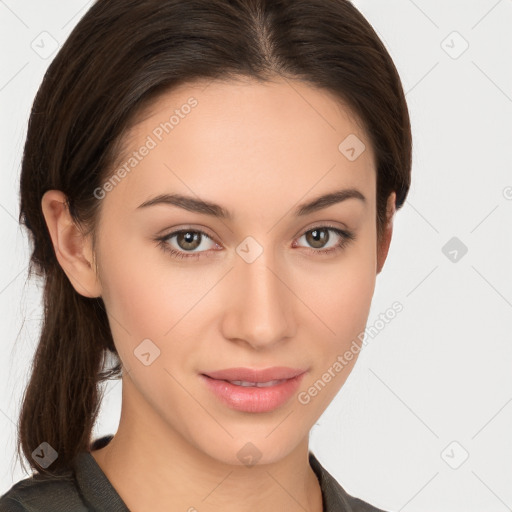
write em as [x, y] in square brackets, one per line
[187, 240]
[185, 243]
[317, 237]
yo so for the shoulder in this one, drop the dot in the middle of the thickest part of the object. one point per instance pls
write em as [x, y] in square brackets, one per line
[41, 493]
[335, 497]
[358, 505]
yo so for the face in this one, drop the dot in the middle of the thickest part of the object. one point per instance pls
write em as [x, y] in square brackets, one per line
[257, 281]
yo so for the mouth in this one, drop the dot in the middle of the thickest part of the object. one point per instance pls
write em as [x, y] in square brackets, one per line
[255, 384]
[254, 391]
[256, 375]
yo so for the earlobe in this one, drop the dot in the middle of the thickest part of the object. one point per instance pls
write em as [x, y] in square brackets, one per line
[383, 247]
[72, 248]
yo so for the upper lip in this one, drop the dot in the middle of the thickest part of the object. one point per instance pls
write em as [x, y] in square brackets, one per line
[254, 374]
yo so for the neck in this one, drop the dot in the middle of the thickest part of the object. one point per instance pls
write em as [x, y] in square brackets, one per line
[161, 470]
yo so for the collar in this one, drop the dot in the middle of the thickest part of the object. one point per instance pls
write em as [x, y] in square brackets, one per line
[333, 495]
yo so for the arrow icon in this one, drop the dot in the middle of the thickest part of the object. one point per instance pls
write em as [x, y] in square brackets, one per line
[42, 454]
[454, 249]
[146, 352]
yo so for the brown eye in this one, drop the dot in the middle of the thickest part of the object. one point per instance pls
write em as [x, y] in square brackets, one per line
[186, 243]
[317, 237]
[188, 240]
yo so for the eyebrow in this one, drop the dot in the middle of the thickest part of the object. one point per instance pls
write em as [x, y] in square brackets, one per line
[208, 208]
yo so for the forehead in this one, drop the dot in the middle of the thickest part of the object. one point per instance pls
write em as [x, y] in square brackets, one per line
[278, 101]
[209, 136]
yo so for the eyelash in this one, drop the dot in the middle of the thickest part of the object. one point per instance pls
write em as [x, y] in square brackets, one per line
[346, 238]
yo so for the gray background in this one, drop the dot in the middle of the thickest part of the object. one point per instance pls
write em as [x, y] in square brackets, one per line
[424, 422]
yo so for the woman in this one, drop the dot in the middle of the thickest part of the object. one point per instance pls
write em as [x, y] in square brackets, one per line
[209, 187]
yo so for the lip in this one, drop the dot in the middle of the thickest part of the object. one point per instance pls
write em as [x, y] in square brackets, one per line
[256, 374]
[250, 398]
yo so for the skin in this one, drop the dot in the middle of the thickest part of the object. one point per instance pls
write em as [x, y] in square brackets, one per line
[258, 150]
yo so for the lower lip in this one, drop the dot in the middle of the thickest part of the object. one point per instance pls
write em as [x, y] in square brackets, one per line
[252, 398]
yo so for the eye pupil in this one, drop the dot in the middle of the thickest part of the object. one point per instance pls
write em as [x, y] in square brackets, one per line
[319, 237]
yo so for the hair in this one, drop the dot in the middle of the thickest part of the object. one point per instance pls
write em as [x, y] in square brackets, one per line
[121, 56]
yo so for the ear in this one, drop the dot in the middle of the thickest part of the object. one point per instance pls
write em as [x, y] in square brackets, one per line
[73, 250]
[383, 246]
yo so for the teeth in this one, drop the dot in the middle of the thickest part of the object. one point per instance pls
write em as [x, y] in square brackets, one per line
[257, 384]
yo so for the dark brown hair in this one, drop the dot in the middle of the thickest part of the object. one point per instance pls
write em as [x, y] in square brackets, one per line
[121, 56]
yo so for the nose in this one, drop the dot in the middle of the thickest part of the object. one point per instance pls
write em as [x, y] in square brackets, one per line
[259, 304]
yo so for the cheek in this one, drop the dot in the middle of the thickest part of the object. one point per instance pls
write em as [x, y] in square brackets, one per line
[149, 297]
[139, 301]
[339, 293]
[340, 298]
